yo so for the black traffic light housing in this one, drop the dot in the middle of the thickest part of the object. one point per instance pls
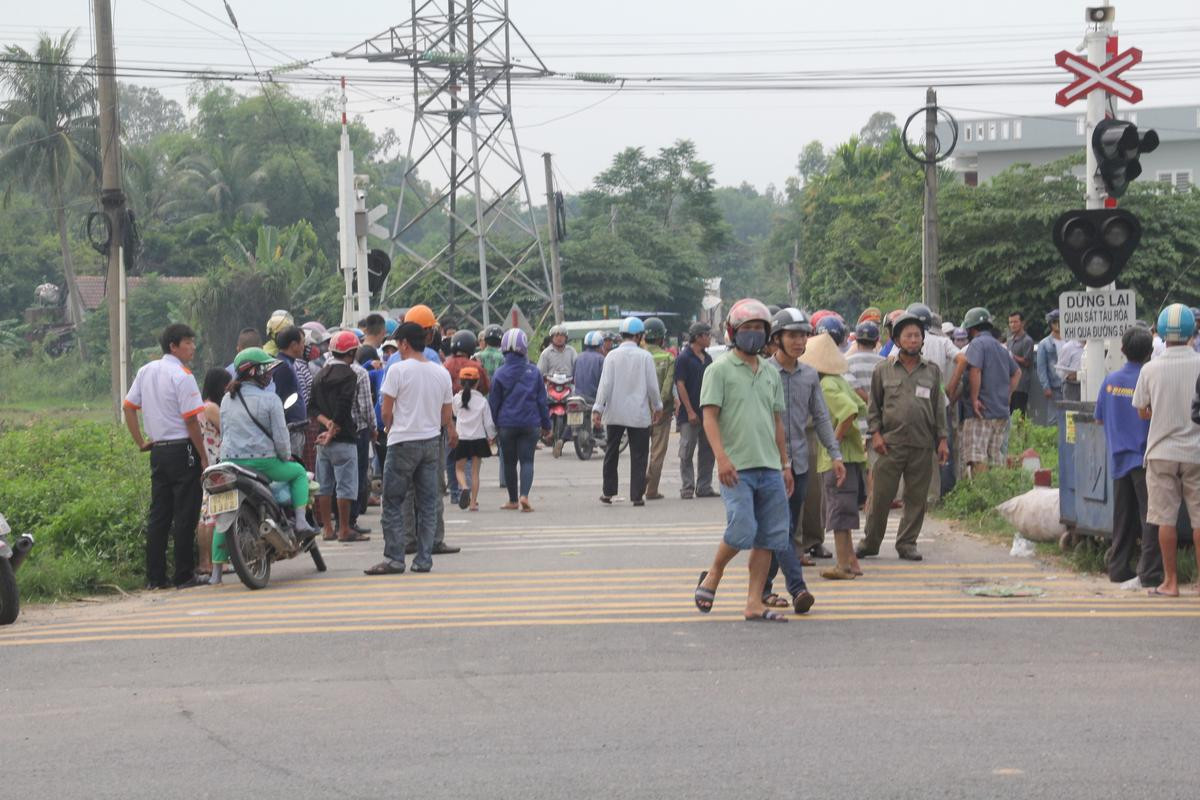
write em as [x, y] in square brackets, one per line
[1097, 244]
[1118, 147]
[379, 265]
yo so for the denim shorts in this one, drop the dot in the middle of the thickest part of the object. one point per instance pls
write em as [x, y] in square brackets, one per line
[337, 468]
[756, 510]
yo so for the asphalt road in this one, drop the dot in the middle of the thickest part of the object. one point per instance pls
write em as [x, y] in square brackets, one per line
[560, 655]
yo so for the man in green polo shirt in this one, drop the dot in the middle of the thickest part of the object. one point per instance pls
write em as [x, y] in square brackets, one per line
[742, 404]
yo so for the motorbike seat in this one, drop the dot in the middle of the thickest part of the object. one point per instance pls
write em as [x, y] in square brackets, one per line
[248, 472]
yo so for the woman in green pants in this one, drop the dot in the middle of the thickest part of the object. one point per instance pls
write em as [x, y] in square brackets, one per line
[253, 431]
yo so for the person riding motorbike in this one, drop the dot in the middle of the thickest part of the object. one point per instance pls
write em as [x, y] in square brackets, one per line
[254, 433]
[589, 366]
[559, 357]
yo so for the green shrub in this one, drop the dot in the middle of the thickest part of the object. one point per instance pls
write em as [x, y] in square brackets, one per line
[82, 489]
[974, 500]
[39, 380]
[1042, 438]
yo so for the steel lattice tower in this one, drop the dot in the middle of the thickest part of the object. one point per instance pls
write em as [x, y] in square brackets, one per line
[466, 148]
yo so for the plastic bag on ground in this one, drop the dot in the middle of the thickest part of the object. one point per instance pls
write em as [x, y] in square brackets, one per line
[1021, 547]
[1034, 514]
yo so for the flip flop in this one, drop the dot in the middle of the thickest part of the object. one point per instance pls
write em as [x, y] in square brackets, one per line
[773, 600]
[767, 616]
[525, 506]
[509, 507]
[1156, 593]
[704, 595]
[384, 568]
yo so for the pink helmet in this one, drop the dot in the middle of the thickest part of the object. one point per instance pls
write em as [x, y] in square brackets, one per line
[744, 311]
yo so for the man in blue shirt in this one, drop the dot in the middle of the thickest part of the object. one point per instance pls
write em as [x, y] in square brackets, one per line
[992, 377]
[1047, 359]
[289, 343]
[1126, 432]
[589, 365]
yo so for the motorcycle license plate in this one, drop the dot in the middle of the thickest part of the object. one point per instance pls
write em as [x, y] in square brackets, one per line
[574, 418]
[223, 503]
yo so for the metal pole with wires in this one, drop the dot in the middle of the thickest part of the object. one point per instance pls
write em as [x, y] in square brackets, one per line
[556, 289]
[931, 155]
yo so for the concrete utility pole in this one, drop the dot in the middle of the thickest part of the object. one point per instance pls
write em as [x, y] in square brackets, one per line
[112, 197]
[1097, 39]
[556, 290]
[348, 248]
[793, 284]
[929, 232]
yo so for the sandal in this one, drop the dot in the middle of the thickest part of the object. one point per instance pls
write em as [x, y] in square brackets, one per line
[384, 568]
[704, 597]
[464, 500]
[773, 600]
[525, 505]
[767, 616]
[355, 537]
[474, 507]
[509, 507]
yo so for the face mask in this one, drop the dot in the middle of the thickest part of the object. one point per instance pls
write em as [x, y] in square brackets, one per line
[750, 341]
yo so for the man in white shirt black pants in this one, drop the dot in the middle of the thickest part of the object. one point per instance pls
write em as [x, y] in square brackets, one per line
[628, 401]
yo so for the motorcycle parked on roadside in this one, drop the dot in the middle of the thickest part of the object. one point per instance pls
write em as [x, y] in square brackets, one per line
[558, 390]
[11, 556]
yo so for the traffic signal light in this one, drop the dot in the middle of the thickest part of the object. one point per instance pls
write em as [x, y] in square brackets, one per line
[378, 267]
[1118, 146]
[1096, 244]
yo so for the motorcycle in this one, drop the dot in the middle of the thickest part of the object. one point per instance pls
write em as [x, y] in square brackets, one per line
[249, 509]
[11, 556]
[584, 434]
[558, 391]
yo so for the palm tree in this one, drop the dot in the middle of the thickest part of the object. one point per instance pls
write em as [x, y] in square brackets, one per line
[226, 181]
[48, 134]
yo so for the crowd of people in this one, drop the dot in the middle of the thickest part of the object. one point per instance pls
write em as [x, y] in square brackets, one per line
[811, 427]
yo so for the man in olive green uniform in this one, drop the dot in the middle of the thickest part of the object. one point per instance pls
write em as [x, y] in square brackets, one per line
[660, 432]
[906, 423]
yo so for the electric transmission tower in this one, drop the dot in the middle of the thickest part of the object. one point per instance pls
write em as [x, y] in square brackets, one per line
[463, 145]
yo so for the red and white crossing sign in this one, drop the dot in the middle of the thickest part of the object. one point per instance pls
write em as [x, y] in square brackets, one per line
[1104, 77]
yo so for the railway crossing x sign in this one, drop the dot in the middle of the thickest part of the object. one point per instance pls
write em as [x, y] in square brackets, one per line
[1103, 77]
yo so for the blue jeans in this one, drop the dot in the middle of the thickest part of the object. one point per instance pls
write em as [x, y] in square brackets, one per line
[786, 559]
[517, 445]
[411, 468]
[756, 511]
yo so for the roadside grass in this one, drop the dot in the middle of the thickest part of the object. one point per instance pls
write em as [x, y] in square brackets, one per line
[39, 387]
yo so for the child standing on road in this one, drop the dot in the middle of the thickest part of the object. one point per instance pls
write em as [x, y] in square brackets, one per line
[476, 431]
[212, 553]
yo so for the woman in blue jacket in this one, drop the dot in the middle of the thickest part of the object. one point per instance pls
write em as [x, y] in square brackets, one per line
[518, 401]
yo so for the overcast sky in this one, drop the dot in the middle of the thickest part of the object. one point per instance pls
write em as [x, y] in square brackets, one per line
[750, 135]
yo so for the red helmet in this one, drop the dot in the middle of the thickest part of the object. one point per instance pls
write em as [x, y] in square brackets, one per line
[746, 310]
[343, 342]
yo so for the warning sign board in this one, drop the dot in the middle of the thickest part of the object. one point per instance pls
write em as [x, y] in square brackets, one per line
[1106, 314]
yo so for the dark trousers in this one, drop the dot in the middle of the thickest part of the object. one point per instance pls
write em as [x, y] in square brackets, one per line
[1130, 526]
[639, 455]
[1019, 402]
[364, 473]
[517, 445]
[787, 559]
[174, 511]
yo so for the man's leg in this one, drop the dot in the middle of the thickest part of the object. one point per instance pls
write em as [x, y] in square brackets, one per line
[760, 559]
[452, 479]
[612, 456]
[639, 454]
[787, 559]
[1127, 529]
[158, 520]
[812, 526]
[1164, 494]
[705, 464]
[187, 496]
[363, 465]
[506, 446]
[688, 438]
[431, 457]
[1149, 568]
[397, 485]
[918, 471]
[660, 434]
[888, 469]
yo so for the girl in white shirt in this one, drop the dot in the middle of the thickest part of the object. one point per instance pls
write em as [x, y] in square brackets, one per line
[476, 431]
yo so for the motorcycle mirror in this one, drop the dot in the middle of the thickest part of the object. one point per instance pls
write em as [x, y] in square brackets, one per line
[291, 400]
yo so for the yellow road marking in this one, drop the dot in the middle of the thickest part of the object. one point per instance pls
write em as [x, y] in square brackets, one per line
[508, 623]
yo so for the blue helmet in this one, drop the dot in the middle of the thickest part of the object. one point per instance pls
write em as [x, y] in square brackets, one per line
[514, 341]
[1176, 323]
[834, 327]
[391, 325]
[358, 332]
[632, 325]
[867, 331]
[593, 339]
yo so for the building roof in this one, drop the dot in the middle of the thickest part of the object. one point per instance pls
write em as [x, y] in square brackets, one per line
[91, 287]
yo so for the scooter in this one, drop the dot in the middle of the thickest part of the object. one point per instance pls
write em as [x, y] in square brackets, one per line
[586, 436]
[11, 556]
[249, 510]
[558, 391]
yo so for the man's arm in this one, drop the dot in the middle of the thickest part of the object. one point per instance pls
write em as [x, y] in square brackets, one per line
[135, 430]
[686, 402]
[653, 390]
[954, 388]
[785, 462]
[1013, 381]
[975, 379]
[819, 411]
[448, 424]
[385, 407]
[712, 429]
